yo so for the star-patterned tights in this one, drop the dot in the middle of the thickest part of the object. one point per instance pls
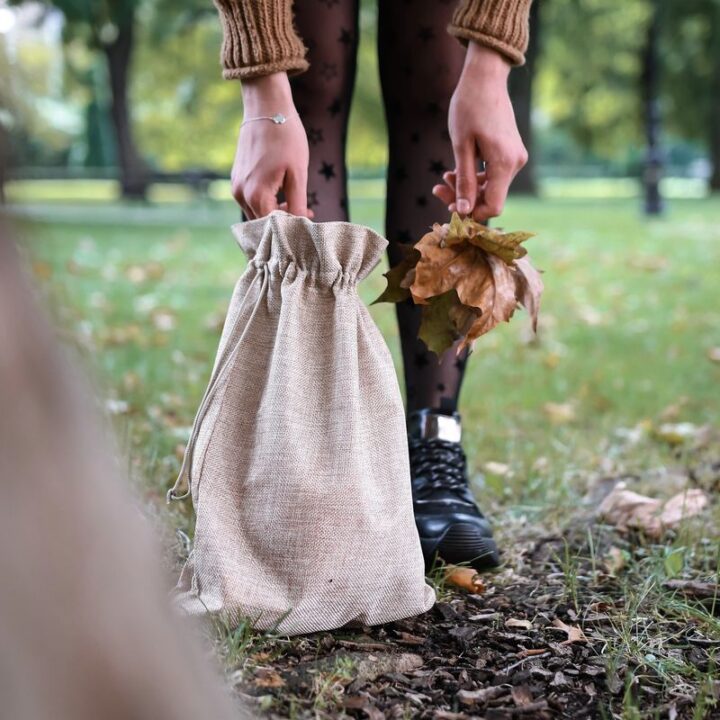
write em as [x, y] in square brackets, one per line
[419, 66]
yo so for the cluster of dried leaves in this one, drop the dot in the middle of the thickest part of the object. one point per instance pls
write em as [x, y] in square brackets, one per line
[468, 278]
[628, 510]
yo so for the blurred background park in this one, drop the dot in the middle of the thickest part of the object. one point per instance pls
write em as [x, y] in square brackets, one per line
[117, 135]
[131, 90]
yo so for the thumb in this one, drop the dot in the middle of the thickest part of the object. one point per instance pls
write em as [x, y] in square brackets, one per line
[466, 183]
[296, 194]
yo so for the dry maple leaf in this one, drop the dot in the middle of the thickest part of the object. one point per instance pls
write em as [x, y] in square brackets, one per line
[469, 278]
[627, 509]
[574, 633]
[445, 320]
[396, 291]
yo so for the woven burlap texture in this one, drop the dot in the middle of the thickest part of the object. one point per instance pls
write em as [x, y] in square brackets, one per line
[298, 468]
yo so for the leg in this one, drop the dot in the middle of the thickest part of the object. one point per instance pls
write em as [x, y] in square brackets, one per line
[323, 95]
[419, 66]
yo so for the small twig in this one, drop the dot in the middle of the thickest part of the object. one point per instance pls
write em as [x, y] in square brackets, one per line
[507, 669]
[365, 646]
[693, 587]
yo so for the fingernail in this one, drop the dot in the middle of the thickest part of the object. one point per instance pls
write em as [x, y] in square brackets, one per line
[463, 206]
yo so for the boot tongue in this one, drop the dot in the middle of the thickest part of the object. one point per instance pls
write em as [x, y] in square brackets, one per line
[430, 424]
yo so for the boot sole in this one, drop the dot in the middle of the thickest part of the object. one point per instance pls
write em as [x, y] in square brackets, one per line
[462, 543]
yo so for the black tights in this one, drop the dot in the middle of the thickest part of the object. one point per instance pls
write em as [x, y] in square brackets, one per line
[419, 66]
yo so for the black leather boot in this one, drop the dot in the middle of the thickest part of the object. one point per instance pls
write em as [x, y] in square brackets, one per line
[449, 522]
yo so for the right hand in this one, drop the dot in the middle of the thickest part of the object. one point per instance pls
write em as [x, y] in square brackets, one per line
[271, 157]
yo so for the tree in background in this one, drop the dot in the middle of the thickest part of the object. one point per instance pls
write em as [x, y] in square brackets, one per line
[691, 74]
[108, 28]
[521, 92]
[591, 71]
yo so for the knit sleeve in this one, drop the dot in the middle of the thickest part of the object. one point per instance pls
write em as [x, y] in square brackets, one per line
[498, 24]
[259, 38]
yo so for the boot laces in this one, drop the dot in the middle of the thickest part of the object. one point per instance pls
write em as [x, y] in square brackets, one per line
[437, 465]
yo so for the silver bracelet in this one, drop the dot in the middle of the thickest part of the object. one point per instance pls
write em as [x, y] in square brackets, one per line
[277, 118]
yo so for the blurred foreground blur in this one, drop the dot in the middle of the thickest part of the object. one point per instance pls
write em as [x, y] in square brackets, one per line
[86, 630]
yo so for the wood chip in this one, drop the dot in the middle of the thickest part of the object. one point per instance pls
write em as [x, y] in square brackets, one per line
[478, 697]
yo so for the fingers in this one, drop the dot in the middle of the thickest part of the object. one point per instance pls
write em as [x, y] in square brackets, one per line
[446, 192]
[500, 173]
[466, 183]
[496, 190]
[296, 194]
[237, 193]
[284, 207]
[262, 201]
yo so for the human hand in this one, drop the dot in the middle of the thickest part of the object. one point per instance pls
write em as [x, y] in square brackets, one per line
[270, 157]
[482, 126]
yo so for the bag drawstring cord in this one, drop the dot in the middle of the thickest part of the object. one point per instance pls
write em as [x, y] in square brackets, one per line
[217, 376]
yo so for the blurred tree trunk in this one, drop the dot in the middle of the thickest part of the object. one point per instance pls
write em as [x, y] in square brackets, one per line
[715, 101]
[3, 163]
[118, 53]
[650, 80]
[521, 87]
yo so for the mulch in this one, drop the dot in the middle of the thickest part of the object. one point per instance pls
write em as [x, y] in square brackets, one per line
[525, 648]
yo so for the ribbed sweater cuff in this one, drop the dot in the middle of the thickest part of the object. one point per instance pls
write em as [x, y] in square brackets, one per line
[498, 24]
[259, 39]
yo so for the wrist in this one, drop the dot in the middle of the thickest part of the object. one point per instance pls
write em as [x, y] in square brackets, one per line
[268, 95]
[482, 62]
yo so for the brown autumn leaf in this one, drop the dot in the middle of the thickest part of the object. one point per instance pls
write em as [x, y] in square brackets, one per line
[485, 267]
[518, 623]
[268, 678]
[466, 578]
[444, 321]
[629, 510]
[506, 246]
[396, 290]
[574, 633]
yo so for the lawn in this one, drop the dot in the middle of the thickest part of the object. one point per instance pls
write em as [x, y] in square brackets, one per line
[621, 382]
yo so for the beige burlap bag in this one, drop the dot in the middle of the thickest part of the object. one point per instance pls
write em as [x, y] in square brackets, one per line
[297, 464]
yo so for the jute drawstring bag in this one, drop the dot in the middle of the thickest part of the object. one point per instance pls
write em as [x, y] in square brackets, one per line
[297, 464]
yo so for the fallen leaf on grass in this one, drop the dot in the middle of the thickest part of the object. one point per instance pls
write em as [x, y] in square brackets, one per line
[468, 278]
[163, 320]
[518, 623]
[138, 274]
[672, 411]
[683, 505]
[266, 677]
[466, 578]
[677, 433]
[574, 633]
[629, 510]
[559, 413]
[615, 561]
[496, 468]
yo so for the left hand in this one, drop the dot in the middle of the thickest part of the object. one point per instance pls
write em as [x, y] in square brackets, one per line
[482, 127]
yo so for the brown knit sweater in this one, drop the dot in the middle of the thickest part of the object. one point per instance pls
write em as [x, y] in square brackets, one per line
[259, 37]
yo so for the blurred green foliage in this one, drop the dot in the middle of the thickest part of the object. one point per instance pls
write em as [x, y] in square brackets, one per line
[587, 98]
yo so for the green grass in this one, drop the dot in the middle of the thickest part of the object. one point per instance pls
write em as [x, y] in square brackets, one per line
[629, 315]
